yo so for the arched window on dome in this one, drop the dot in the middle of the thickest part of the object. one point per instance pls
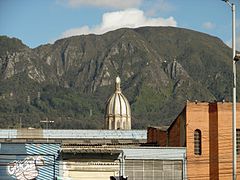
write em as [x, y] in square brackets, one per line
[197, 142]
[124, 125]
[118, 125]
[112, 124]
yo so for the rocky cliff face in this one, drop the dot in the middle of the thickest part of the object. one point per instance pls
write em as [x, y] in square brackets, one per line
[160, 67]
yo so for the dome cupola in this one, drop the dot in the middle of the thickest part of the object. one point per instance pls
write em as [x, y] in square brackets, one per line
[118, 112]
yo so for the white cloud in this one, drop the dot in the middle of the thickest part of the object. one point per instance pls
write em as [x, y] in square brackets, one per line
[131, 18]
[118, 4]
[153, 7]
[208, 25]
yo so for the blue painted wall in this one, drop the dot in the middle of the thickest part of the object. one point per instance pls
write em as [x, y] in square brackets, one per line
[29, 161]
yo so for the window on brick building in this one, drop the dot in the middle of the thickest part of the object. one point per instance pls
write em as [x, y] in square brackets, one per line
[197, 142]
[238, 141]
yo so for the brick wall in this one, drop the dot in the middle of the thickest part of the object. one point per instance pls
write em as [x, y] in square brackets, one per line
[224, 115]
[214, 120]
[174, 134]
[213, 141]
[177, 131]
[197, 118]
[157, 136]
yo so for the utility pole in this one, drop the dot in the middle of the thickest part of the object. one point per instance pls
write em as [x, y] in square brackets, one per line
[20, 122]
[234, 109]
[234, 96]
[47, 122]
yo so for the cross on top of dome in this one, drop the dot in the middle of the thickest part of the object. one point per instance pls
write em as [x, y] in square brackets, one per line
[117, 85]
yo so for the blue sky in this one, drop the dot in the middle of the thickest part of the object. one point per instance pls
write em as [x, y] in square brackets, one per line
[38, 22]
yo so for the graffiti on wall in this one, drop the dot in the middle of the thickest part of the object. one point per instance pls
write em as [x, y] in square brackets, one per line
[26, 169]
[28, 161]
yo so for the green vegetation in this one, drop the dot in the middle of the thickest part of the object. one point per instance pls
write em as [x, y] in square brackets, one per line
[66, 107]
[70, 81]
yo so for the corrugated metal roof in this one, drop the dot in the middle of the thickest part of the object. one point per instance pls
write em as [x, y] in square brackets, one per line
[155, 153]
[72, 134]
[95, 149]
[159, 153]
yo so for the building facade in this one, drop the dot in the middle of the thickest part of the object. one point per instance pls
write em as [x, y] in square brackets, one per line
[136, 163]
[205, 129]
[86, 154]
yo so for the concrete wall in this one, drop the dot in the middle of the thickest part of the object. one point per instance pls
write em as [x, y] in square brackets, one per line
[89, 169]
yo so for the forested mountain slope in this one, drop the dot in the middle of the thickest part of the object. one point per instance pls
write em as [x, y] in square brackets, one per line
[69, 81]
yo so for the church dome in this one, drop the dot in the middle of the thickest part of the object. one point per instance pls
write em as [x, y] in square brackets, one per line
[118, 111]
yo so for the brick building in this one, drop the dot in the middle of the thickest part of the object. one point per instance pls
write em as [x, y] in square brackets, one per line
[205, 129]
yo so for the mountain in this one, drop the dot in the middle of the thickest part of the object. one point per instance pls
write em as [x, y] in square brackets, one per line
[69, 81]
